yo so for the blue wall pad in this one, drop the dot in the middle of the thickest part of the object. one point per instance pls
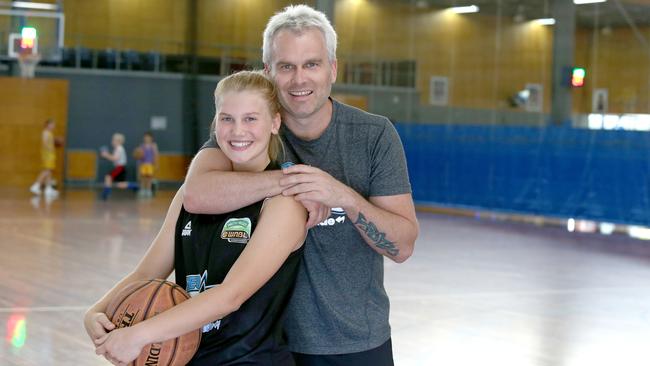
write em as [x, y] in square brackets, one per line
[551, 171]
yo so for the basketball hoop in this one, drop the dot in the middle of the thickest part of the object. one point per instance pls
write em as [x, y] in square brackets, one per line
[27, 63]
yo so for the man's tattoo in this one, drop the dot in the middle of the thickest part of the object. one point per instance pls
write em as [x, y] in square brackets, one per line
[378, 238]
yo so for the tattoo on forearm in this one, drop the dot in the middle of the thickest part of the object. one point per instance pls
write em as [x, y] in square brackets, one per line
[378, 238]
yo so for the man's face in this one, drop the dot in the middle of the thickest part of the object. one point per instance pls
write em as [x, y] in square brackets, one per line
[302, 71]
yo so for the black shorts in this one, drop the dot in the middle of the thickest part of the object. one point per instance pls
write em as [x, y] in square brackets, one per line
[380, 356]
[118, 174]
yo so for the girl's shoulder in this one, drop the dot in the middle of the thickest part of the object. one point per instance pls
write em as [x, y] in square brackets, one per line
[282, 206]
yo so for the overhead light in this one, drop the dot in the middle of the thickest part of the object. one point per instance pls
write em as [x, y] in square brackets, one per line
[519, 14]
[581, 2]
[465, 9]
[30, 5]
[606, 31]
[546, 21]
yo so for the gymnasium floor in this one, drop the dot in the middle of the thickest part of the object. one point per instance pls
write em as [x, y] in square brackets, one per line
[474, 293]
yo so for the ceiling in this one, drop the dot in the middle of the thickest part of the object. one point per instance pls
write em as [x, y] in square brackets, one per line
[605, 14]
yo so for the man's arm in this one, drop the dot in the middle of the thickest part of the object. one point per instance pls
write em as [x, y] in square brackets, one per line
[387, 223]
[211, 187]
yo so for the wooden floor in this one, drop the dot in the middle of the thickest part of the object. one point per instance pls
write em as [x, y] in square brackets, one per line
[476, 292]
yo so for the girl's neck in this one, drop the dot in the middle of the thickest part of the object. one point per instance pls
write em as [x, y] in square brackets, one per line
[252, 167]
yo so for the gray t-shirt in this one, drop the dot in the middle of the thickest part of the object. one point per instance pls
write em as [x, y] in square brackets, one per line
[339, 304]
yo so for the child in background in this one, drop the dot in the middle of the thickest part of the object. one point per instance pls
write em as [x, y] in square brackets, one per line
[147, 156]
[118, 174]
[48, 158]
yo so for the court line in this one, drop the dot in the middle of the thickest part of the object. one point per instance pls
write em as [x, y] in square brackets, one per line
[43, 309]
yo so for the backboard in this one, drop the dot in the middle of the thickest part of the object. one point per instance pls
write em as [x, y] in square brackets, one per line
[49, 24]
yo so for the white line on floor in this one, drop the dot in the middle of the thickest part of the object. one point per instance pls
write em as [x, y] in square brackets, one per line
[44, 309]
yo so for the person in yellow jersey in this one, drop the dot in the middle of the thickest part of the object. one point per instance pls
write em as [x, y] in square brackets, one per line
[49, 142]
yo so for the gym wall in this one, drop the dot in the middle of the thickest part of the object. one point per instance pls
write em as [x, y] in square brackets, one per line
[25, 106]
[487, 60]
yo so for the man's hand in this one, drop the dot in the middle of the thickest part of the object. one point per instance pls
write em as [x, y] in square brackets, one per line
[387, 223]
[317, 213]
[307, 183]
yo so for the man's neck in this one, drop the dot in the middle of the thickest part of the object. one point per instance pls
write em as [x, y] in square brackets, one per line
[312, 127]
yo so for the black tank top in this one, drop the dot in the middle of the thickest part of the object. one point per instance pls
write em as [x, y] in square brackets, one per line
[206, 247]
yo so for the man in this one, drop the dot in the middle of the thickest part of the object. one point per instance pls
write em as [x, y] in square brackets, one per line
[349, 160]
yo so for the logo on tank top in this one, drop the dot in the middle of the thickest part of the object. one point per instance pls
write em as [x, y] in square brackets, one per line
[237, 230]
[187, 230]
[337, 216]
[195, 284]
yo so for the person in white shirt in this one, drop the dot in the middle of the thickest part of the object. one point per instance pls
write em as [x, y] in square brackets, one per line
[118, 174]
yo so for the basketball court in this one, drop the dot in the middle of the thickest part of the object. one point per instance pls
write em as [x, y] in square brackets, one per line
[526, 142]
[475, 291]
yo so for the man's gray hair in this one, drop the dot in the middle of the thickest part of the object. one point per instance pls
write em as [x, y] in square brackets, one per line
[298, 18]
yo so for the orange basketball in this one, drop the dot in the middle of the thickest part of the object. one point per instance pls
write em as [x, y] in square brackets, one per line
[58, 141]
[144, 299]
[138, 153]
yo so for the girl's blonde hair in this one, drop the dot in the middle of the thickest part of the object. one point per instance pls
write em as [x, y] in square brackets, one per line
[256, 81]
[119, 137]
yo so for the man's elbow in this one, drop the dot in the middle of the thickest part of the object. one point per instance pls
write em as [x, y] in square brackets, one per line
[192, 199]
[404, 253]
[406, 250]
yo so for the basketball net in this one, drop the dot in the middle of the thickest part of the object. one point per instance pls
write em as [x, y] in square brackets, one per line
[27, 63]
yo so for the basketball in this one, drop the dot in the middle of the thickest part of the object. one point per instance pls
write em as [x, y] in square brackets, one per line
[138, 153]
[142, 300]
[58, 141]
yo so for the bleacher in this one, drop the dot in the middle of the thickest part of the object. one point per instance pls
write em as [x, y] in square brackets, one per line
[151, 61]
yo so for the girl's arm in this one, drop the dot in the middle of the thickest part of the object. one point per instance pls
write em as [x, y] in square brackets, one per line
[112, 156]
[280, 231]
[45, 137]
[157, 262]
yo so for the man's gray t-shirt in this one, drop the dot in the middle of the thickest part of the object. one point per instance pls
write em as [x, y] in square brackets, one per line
[339, 303]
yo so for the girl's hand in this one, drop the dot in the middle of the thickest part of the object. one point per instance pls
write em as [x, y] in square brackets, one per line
[97, 325]
[120, 346]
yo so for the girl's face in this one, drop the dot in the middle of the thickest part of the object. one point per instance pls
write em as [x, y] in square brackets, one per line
[243, 129]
